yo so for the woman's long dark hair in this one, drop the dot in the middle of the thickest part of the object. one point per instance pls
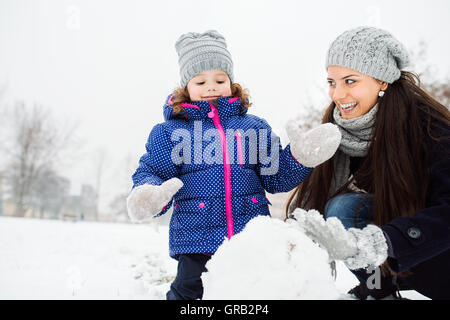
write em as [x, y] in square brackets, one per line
[395, 169]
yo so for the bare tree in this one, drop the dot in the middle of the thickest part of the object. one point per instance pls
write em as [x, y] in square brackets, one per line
[3, 89]
[125, 169]
[118, 207]
[88, 203]
[34, 147]
[49, 193]
[440, 91]
[100, 166]
[438, 88]
[313, 105]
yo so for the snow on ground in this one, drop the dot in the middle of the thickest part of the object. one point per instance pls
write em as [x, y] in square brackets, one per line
[52, 259]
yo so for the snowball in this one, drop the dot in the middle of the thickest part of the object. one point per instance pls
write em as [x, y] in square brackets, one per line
[269, 259]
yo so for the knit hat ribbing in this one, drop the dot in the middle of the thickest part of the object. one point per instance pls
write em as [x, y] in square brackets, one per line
[371, 51]
[198, 52]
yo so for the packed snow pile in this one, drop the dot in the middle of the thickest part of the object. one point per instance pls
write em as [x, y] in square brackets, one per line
[269, 259]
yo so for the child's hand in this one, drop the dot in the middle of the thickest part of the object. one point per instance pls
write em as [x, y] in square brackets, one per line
[315, 146]
[147, 200]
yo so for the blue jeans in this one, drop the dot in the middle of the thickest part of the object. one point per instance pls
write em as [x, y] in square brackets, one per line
[355, 210]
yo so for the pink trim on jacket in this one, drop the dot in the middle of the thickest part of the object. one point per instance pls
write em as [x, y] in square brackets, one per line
[170, 101]
[232, 100]
[187, 105]
[227, 169]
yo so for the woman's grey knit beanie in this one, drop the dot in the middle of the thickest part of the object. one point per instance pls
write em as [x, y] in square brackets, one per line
[371, 51]
[198, 52]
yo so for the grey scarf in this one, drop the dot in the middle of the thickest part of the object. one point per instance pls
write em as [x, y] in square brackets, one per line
[356, 136]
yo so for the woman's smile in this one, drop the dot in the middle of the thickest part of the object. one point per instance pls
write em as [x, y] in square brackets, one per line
[347, 108]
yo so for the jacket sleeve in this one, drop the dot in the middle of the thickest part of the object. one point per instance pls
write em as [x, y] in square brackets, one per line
[278, 169]
[156, 165]
[426, 234]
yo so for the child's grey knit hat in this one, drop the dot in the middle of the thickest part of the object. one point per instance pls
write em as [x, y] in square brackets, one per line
[198, 52]
[371, 51]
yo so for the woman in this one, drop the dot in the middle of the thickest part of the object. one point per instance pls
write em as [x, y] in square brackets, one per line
[389, 181]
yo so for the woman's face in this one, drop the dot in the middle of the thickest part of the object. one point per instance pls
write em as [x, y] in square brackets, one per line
[353, 92]
[209, 85]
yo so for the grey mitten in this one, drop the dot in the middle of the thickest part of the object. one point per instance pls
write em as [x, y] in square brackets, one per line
[357, 248]
[315, 146]
[148, 200]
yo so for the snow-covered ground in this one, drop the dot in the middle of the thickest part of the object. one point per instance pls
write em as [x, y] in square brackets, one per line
[48, 259]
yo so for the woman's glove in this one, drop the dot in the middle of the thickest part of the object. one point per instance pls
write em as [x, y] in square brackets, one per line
[148, 200]
[315, 146]
[357, 248]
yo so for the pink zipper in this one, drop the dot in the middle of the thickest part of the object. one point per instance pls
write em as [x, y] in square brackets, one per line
[227, 170]
[239, 147]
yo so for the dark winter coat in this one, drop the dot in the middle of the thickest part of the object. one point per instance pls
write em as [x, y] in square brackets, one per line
[421, 243]
[211, 148]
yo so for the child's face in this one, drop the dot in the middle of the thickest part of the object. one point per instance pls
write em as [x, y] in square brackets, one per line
[353, 92]
[209, 85]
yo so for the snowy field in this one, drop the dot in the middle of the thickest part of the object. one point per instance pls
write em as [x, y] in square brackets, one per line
[48, 259]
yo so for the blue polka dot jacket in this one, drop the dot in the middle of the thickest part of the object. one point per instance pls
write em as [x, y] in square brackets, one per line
[226, 159]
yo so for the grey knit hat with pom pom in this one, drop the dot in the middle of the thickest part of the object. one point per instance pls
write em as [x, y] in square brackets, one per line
[198, 52]
[371, 51]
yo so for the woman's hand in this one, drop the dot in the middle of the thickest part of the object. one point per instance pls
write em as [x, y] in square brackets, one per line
[315, 146]
[357, 248]
[148, 200]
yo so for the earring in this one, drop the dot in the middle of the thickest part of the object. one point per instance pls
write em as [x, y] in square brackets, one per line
[380, 93]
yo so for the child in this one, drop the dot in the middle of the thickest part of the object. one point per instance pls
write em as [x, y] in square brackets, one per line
[215, 185]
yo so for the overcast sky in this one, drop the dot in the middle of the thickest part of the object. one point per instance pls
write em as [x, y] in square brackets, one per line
[110, 64]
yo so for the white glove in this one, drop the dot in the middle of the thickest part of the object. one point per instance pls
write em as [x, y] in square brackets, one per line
[357, 248]
[148, 200]
[315, 146]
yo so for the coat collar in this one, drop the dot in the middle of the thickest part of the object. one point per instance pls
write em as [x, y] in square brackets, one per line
[199, 110]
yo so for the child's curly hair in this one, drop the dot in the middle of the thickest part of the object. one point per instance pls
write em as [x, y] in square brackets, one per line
[181, 95]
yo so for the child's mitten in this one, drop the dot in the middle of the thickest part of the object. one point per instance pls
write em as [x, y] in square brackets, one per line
[315, 146]
[148, 200]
